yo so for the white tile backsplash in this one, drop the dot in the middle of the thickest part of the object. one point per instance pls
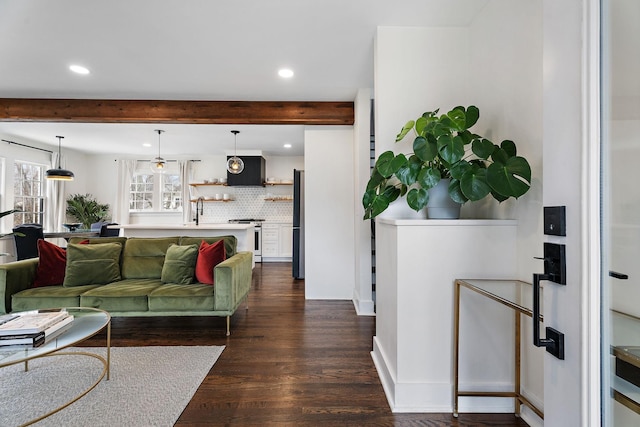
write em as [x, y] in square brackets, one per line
[248, 202]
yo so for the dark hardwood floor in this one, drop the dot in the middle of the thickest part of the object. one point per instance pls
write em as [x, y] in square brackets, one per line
[288, 362]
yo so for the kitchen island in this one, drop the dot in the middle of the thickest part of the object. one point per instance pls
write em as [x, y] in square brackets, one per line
[244, 233]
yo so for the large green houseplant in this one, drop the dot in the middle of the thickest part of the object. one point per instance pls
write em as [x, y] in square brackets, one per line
[445, 148]
[85, 209]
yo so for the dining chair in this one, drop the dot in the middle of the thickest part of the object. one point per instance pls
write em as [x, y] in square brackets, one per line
[97, 226]
[109, 232]
[27, 240]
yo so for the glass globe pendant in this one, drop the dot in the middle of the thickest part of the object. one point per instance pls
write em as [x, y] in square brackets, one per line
[235, 165]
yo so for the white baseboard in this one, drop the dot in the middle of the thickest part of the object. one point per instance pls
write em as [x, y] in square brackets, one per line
[364, 307]
[438, 397]
[530, 417]
[410, 397]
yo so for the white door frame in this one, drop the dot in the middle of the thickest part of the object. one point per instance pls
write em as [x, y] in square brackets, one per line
[591, 247]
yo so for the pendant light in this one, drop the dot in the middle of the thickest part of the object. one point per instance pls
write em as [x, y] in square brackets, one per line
[235, 165]
[58, 173]
[158, 164]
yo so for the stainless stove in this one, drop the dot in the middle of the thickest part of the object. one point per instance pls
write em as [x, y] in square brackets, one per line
[246, 221]
[257, 225]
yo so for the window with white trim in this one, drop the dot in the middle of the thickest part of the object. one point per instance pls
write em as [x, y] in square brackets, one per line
[28, 193]
[151, 192]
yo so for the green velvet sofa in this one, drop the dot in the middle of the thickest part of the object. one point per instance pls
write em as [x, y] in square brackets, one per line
[140, 290]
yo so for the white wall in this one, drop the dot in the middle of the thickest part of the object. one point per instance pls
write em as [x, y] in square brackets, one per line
[103, 179]
[506, 47]
[408, 83]
[416, 70]
[329, 212]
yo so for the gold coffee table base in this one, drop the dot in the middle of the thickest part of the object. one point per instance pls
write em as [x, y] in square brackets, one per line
[105, 372]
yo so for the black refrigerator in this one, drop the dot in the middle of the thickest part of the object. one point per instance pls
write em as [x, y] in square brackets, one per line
[298, 224]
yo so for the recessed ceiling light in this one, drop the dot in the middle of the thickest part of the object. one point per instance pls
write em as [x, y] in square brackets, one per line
[287, 145]
[285, 73]
[79, 69]
[146, 144]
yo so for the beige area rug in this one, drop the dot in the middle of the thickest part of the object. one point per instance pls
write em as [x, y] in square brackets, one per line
[149, 386]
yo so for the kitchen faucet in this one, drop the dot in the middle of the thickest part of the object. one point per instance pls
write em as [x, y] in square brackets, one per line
[199, 209]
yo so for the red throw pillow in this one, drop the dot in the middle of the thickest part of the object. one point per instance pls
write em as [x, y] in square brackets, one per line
[51, 265]
[209, 255]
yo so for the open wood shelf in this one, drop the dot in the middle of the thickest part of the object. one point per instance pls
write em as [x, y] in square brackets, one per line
[202, 184]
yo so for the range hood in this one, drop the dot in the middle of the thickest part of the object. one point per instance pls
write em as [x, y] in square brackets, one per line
[253, 174]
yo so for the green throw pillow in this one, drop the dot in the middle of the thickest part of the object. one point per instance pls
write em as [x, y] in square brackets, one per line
[179, 264]
[97, 264]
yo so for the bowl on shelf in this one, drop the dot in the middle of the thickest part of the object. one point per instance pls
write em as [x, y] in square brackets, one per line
[73, 226]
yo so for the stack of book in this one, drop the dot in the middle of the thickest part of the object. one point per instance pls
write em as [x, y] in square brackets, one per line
[32, 329]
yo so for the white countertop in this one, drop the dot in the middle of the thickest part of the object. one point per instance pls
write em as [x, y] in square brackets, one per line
[201, 226]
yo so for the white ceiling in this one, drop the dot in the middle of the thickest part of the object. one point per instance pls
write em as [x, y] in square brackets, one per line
[196, 50]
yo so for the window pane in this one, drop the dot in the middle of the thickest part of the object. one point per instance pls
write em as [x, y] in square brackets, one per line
[28, 192]
[149, 192]
[171, 192]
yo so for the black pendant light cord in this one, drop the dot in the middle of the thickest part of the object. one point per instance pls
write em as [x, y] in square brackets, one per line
[59, 155]
[235, 142]
[159, 132]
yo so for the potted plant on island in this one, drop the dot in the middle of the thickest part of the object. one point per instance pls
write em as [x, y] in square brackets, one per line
[446, 154]
[85, 209]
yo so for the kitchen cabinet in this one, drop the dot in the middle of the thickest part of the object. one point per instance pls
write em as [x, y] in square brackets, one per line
[286, 240]
[277, 241]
